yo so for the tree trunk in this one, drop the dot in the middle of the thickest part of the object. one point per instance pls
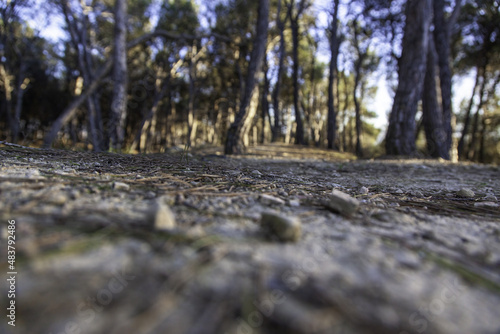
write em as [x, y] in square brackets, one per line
[433, 120]
[92, 85]
[472, 153]
[20, 89]
[146, 123]
[78, 33]
[119, 101]
[482, 140]
[239, 128]
[192, 124]
[7, 88]
[264, 103]
[400, 138]
[70, 111]
[357, 106]
[461, 143]
[358, 78]
[442, 35]
[281, 61]
[299, 132]
[333, 78]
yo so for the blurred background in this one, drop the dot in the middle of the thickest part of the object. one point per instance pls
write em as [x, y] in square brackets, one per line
[328, 77]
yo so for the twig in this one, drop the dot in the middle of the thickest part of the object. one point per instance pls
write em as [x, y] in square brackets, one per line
[3, 142]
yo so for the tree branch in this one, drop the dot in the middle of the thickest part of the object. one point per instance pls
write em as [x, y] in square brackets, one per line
[70, 111]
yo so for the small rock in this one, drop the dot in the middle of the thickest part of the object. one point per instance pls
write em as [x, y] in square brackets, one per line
[256, 173]
[417, 193]
[493, 259]
[58, 198]
[283, 193]
[74, 194]
[271, 200]
[281, 227]
[465, 193]
[491, 205]
[195, 232]
[490, 198]
[363, 190]
[294, 203]
[120, 186]
[150, 195]
[409, 260]
[476, 250]
[162, 215]
[33, 174]
[341, 203]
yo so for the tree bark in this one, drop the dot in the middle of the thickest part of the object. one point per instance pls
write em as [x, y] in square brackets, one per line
[400, 138]
[192, 123]
[461, 143]
[264, 102]
[281, 61]
[120, 77]
[358, 78]
[442, 35]
[294, 19]
[433, 118]
[239, 128]
[334, 41]
[357, 105]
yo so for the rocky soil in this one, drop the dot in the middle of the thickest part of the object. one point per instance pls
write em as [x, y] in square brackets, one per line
[282, 240]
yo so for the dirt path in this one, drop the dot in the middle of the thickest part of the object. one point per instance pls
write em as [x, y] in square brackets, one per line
[183, 243]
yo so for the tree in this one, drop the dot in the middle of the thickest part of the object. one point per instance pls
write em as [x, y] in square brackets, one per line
[295, 11]
[442, 35]
[119, 102]
[80, 27]
[280, 23]
[17, 53]
[400, 138]
[241, 125]
[481, 20]
[434, 120]
[334, 41]
[365, 63]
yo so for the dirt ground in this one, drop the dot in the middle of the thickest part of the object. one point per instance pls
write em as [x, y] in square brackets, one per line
[282, 240]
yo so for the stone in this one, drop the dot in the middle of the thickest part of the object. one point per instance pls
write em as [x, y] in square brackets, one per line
[278, 226]
[363, 190]
[120, 186]
[417, 193]
[342, 203]
[256, 173]
[490, 205]
[270, 200]
[162, 216]
[490, 198]
[58, 198]
[408, 259]
[465, 193]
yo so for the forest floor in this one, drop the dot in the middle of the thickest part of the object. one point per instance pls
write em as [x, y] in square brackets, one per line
[282, 240]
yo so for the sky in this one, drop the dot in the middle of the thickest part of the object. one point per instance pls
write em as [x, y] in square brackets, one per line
[462, 88]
